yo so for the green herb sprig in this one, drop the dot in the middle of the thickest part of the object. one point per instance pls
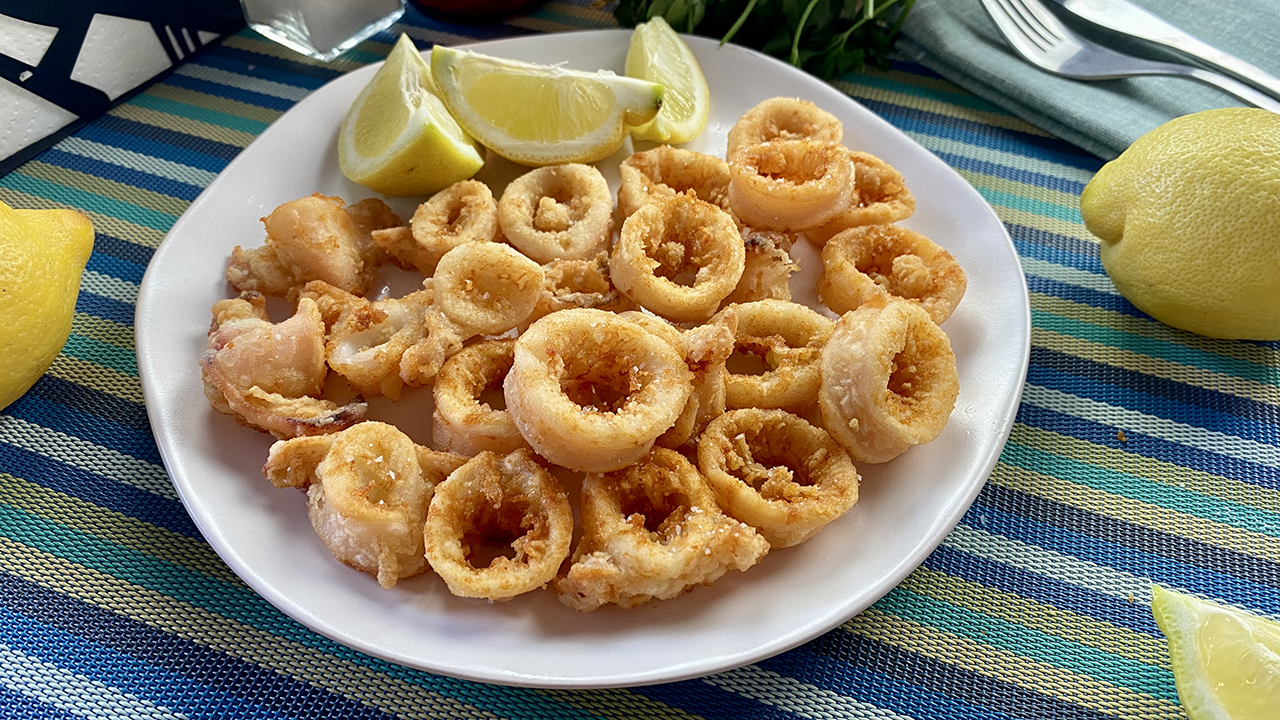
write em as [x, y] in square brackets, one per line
[825, 37]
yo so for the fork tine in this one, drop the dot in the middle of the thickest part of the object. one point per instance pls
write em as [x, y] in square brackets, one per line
[1026, 23]
[1041, 17]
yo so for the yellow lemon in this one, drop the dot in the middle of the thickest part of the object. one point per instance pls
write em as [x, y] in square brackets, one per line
[1189, 218]
[659, 55]
[1226, 663]
[42, 254]
[541, 114]
[398, 138]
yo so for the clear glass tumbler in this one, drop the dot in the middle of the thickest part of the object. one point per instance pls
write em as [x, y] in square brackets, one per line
[322, 29]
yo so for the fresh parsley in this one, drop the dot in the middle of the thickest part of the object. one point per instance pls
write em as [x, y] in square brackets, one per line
[825, 37]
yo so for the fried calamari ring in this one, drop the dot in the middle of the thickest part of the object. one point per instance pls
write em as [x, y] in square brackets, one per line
[665, 171]
[787, 339]
[367, 339]
[507, 504]
[487, 288]
[869, 261]
[790, 184]
[270, 376]
[463, 422]
[461, 213]
[783, 118]
[881, 197]
[889, 380]
[778, 473]
[767, 271]
[314, 238]
[591, 391]
[367, 493]
[678, 257]
[577, 284]
[652, 530]
[559, 211]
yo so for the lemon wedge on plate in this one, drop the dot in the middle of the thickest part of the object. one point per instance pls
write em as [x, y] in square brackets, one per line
[1226, 663]
[541, 114]
[659, 55]
[398, 138]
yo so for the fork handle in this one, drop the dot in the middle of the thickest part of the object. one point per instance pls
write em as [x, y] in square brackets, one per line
[1227, 85]
[1129, 19]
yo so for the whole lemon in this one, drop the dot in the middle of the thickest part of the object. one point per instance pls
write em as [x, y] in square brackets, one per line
[42, 255]
[1189, 217]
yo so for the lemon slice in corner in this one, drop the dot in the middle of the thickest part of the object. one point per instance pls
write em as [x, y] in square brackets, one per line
[1226, 663]
[398, 137]
[659, 55]
[540, 114]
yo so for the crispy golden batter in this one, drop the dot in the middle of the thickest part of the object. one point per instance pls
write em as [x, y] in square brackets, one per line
[463, 422]
[367, 493]
[783, 118]
[889, 380]
[776, 472]
[767, 270]
[880, 197]
[790, 184]
[665, 171]
[652, 530]
[778, 344]
[511, 508]
[461, 213]
[559, 211]
[872, 260]
[487, 288]
[678, 257]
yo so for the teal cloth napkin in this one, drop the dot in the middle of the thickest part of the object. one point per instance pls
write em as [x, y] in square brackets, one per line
[956, 39]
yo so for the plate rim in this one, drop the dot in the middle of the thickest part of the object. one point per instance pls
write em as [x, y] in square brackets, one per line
[662, 674]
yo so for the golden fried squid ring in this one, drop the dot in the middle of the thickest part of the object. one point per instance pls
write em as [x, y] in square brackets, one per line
[463, 422]
[510, 508]
[487, 288]
[678, 257]
[786, 340]
[778, 473]
[869, 261]
[705, 350]
[880, 197]
[889, 380]
[559, 211]
[652, 530]
[366, 338]
[590, 390]
[767, 271]
[314, 238]
[270, 376]
[790, 184]
[368, 488]
[461, 213]
[665, 171]
[783, 118]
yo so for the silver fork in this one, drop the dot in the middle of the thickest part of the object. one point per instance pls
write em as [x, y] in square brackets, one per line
[1038, 35]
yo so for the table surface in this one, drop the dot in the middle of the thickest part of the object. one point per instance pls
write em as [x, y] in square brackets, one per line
[1141, 454]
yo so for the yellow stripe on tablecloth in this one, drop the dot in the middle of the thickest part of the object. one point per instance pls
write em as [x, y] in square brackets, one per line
[1038, 616]
[1137, 512]
[184, 125]
[103, 330]
[932, 105]
[1147, 328]
[618, 703]
[1009, 667]
[1155, 366]
[248, 643]
[1178, 476]
[91, 375]
[214, 102]
[103, 187]
[796, 696]
[111, 526]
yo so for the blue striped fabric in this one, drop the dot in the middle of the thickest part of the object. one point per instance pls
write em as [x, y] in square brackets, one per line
[1141, 454]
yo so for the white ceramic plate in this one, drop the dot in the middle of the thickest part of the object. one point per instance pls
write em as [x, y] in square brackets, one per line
[906, 506]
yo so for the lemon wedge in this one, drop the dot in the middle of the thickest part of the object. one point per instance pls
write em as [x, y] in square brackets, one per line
[540, 114]
[398, 138]
[657, 54]
[1226, 663]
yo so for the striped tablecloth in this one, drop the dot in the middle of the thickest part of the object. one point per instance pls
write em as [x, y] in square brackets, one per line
[1140, 454]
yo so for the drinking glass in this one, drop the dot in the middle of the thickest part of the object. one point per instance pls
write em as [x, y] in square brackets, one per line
[322, 29]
